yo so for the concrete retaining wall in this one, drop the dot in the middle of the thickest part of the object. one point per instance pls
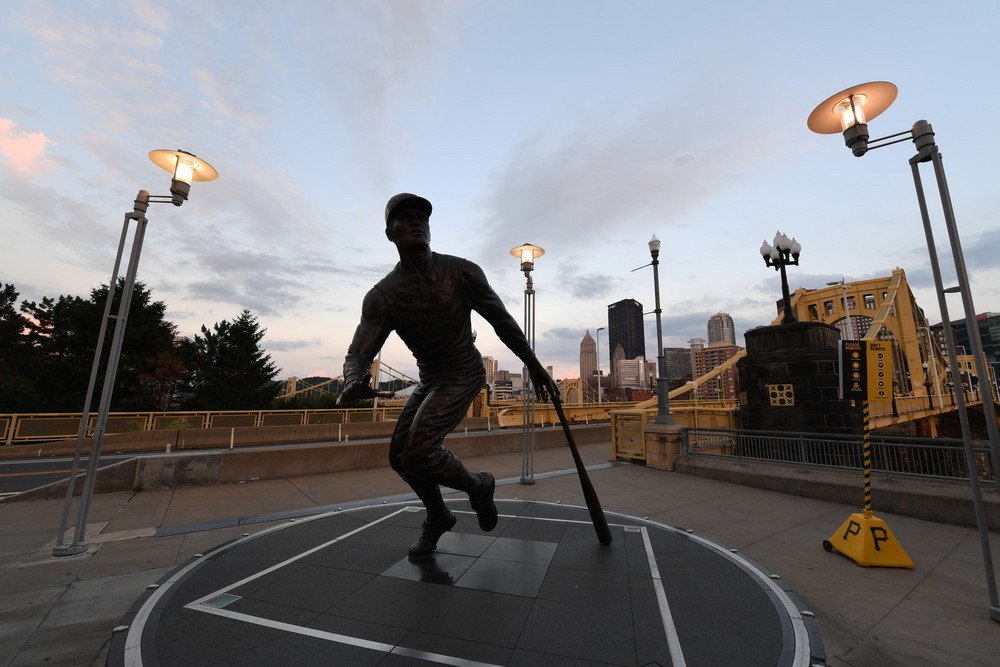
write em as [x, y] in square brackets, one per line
[944, 501]
[186, 469]
[213, 438]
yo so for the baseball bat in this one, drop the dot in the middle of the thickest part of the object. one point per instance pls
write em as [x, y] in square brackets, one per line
[593, 502]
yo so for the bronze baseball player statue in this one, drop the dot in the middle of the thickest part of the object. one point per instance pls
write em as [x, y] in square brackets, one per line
[427, 299]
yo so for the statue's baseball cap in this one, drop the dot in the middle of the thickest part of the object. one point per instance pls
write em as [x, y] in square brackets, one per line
[408, 199]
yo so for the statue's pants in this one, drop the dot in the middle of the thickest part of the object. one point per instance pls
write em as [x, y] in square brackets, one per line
[416, 451]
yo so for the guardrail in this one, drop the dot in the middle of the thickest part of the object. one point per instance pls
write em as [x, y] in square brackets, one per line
[47, 427]
[925, 457]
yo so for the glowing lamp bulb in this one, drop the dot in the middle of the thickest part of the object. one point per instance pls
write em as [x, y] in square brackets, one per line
[852, 111]
[184, 171]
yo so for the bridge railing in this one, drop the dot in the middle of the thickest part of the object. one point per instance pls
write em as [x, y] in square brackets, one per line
[927, 457]
[47, 427]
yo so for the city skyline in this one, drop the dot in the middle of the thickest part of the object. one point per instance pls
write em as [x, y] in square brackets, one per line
[583, 131]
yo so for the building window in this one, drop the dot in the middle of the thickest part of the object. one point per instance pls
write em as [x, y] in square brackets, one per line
[813, 313]
[828, 307]
[869, 301]
[850, 303]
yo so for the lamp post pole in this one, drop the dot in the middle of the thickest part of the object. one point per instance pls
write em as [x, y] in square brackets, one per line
[184, 168]
[599, 378]
[927, 387]
[933, 364]
[784, 252]
[849, 328]
[662, 398]
[848, 111]
[527, 253]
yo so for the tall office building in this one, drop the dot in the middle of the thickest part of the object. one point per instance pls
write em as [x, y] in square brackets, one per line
[631, 373]
[703, 360]
[616, 356]
[625, 329]
[588, 356]
[678, 360]
[989, 334]
[721, 330]
[490, 366]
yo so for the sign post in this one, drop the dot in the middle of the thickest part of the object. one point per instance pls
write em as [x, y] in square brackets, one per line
[866, 374]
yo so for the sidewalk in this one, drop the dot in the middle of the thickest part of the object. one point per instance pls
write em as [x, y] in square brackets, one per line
[63, 611]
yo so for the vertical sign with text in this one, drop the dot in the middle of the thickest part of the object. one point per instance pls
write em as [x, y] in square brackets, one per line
[879, 365]
[853, 370]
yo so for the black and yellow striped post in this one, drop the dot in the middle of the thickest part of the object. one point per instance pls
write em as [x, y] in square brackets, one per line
[866, 419]
[865, 538]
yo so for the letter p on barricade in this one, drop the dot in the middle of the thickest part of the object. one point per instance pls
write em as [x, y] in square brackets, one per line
[867, 540]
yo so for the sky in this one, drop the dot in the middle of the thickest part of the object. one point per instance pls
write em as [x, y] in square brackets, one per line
[581, 127]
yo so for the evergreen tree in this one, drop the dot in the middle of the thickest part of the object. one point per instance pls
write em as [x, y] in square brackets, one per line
[62, 334]
[231, 371]
[17, 360]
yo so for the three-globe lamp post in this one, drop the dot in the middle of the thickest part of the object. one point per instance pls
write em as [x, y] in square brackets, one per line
[784, 252]
[848, 112]
[184, 169]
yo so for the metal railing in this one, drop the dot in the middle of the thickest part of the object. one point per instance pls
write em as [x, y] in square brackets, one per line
[925, 457]
[44, 427]
[16, 429]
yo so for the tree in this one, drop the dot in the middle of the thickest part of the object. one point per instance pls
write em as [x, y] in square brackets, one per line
[231, 371]
[62, 335]
[17, 387]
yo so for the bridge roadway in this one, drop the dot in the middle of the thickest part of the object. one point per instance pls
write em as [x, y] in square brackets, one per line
[24, 474]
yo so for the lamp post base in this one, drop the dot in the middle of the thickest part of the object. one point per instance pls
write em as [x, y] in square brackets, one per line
[664, 445]
[527, 480]
[69, 549]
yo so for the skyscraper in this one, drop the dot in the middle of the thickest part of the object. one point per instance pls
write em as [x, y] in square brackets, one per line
[679, 368]
[721, 329]
[625, 328]
[490, 366]
[588, 356]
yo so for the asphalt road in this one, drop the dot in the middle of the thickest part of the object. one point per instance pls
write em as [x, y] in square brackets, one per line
[24, 475]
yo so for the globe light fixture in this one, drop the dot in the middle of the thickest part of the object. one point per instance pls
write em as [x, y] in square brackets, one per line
[527, 254]
[850, 110]
[184, 168]
[784, 252]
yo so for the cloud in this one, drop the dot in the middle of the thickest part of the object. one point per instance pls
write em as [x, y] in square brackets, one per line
[152, 14]
[286, 345]
[382, 50]
[23, 151]
[223, 92]
[575, 179]
[571, 280]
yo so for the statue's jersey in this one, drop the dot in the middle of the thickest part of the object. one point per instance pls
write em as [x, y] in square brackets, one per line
[431, 314]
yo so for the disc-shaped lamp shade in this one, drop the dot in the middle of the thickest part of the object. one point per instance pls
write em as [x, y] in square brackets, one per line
[527, 253]
[183, 166]
[836, 113]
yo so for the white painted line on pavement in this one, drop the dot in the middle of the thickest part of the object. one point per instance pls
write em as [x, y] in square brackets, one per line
[673, 641]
